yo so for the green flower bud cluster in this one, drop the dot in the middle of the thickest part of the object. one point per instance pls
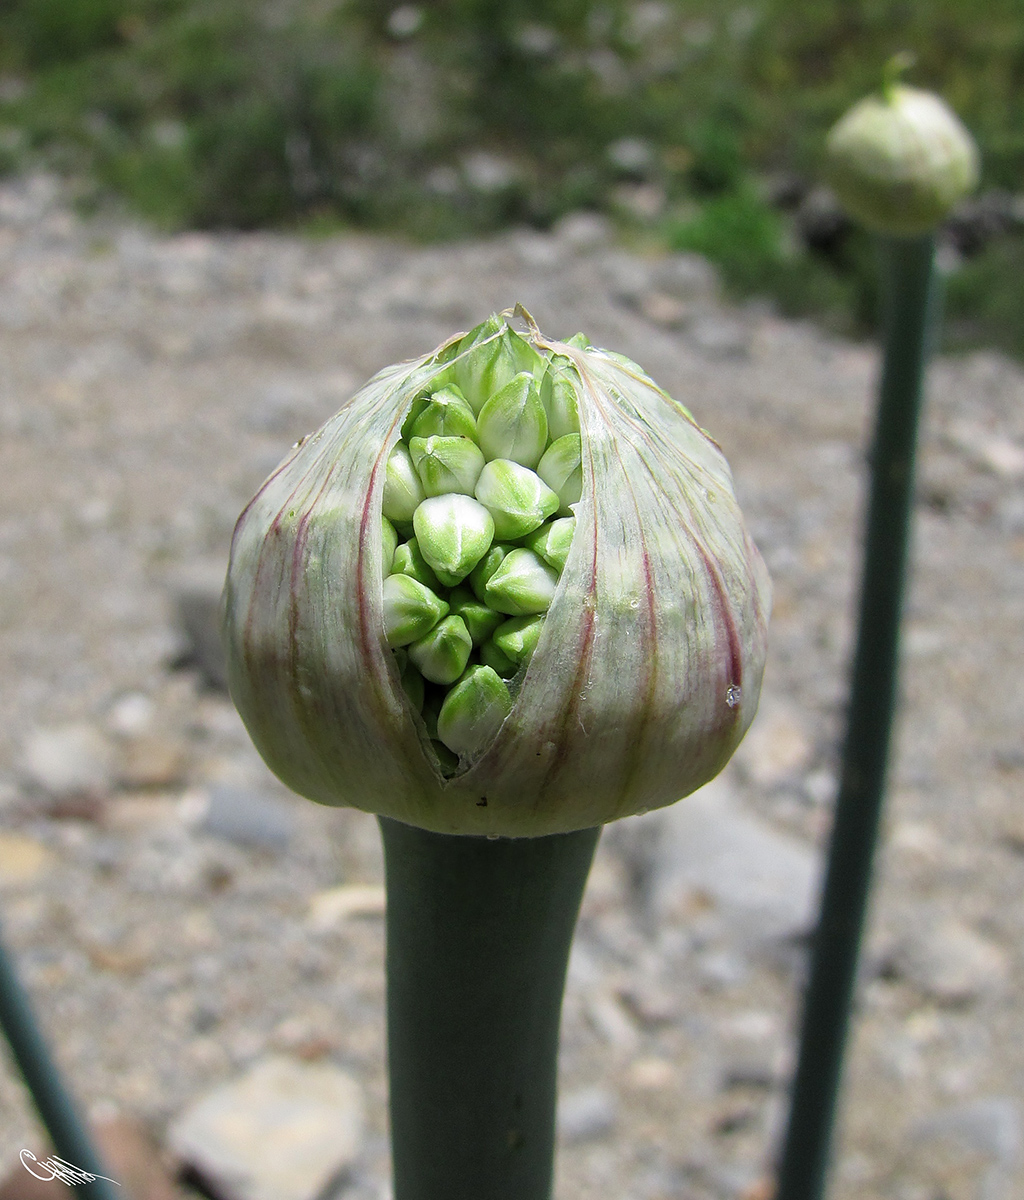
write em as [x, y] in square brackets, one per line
[477, 524]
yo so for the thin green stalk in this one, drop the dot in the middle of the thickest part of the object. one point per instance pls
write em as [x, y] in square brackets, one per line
[56, 1109]
[909, 319]
[478, 937]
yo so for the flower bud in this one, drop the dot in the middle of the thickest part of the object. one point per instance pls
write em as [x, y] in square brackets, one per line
[410, 610]
[409, 560]
[512, 424]
[480, 620]
[552, 541]
[446, 464]
[632, 688]
[561, 468]
[518, 637]
[473, 711]
[516, 497]
[388, 544]
[445, 414]
[454, 532]
[900, 160]
[442, 655]
[522, 585]
[558, 395]
[402, 488]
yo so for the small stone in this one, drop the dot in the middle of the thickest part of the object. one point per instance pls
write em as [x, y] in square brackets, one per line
[22, 859]
[67, 761]
[586, 1115]
[952, 964]
[197, 603]
[283, 1131]
[331, 906]
[667, 311]
[776, 750]
[246, 817]
[150, 761]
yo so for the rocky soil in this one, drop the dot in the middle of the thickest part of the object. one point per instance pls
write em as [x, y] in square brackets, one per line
[180, 919]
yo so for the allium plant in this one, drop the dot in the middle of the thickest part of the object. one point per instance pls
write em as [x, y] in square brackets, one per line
[505, 591]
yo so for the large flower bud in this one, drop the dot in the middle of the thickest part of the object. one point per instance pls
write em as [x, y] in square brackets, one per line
[901, 159]
[629, 674]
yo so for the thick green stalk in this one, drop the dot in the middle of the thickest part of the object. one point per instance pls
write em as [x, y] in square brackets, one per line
[56, 1109]
[478, 937]
[910, 295]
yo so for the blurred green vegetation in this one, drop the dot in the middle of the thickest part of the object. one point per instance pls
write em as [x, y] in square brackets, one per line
[696, 123]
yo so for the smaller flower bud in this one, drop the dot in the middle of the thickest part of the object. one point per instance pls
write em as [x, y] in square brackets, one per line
[516, 497]
[518, 637]
[899, 160]
[442, 655]
[485, 568]
[409, 560]
[552, 541]
[579, 341]
[445, 414]
[446, 464]
[480, 620]
[561, 468]
[524, 584]
[410, 610]
[512, 424]
[473, 711]
[454, 532]
[402, 488]
[558, 395]
[497, 660]
[388, 545]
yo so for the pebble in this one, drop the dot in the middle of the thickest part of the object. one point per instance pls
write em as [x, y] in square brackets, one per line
[951, 963]
[763, 882]
[332, 906]
[22, 859]
[67, 761]
[283, 1131]
[247, 817]
[777, 749]
[586, 1115]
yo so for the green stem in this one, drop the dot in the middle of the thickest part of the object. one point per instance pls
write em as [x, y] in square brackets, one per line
[56, 1109]
[478, 937]
[910, 317]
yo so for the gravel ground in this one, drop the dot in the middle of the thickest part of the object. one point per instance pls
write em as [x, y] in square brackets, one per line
[148, 384]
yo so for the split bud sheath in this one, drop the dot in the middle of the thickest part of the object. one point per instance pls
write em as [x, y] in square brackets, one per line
[595, 643]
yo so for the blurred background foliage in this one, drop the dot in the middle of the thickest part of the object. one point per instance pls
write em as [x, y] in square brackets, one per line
[695, 124]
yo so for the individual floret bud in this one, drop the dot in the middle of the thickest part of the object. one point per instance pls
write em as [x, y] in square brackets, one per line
[518, 637]
[516, 497]
[412, 680]
[524, 584]
[513, 424]
[454, 533]
[497, 660]
[485, 568]
[410, 610]
[448, 761]
[480, 620]
[899, 160]
[442, 655]
[558, 395]
[580, 341]
[409, 560]
[489, 356]
[403, 491]
[552, 541]
[473, 711]
[445, 414]
[561, 468]
[388, 545]
[446, 464]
